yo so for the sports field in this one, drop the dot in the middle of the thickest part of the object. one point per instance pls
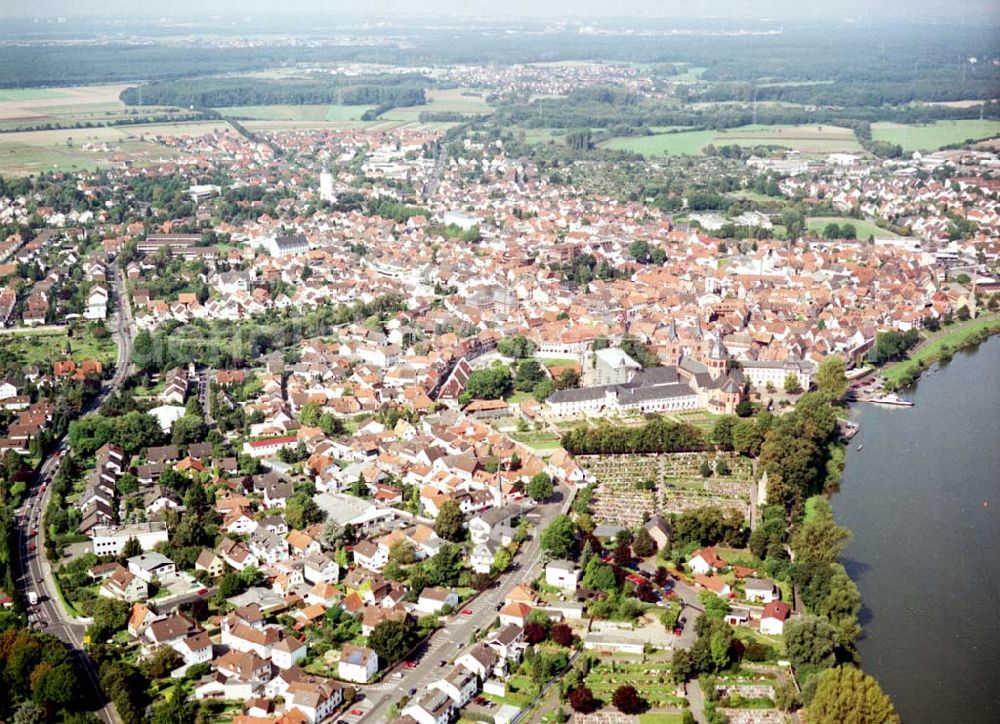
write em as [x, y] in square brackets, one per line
[932, 136]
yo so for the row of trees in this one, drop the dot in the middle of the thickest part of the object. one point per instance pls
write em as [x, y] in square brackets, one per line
[656, 435]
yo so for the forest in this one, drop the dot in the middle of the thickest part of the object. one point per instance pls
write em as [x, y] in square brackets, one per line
[407, 90]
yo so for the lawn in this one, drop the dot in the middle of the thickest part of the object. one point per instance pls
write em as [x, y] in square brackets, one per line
[951, 337]
[556, 362]
[538, 440]
[864, 229]
[452, 100]
[932, 136]
[660, 718]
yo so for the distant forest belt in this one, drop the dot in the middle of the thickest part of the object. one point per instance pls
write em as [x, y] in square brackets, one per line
[223, 92]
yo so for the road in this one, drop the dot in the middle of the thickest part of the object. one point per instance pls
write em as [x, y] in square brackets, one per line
[447, 642]
[35, 572]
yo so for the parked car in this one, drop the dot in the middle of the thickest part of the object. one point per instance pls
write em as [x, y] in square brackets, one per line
[466, 611]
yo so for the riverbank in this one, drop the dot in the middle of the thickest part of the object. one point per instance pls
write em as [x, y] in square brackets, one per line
[940, 345]
[921, 501]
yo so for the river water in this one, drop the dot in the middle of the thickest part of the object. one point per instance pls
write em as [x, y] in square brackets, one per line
[923, 501]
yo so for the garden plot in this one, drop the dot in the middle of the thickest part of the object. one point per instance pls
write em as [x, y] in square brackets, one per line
[650, 678]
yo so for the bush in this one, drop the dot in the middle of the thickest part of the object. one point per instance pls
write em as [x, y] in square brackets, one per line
[626, 700]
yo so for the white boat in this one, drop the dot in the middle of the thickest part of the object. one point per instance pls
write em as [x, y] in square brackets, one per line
[892, 399]
[861, 447]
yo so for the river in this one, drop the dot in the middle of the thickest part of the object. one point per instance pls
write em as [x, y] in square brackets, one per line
[923, 501]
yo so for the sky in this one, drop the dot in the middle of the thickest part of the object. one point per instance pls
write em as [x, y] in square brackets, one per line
[969, 11]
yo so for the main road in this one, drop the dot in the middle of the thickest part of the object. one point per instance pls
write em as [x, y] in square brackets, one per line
[445, 643]
[35, 572]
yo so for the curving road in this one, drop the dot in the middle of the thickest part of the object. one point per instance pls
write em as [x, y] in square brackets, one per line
[35, 572]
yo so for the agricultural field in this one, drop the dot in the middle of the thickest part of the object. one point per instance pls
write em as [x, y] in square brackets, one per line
[688, 143]
[633, 485]
[97, 105]
[28, 152]
[806, 139]
[932, 136]
[452, 100]
[295, 113]
[864, 228]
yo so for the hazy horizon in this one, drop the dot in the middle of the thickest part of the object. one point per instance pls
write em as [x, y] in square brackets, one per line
[909, 11]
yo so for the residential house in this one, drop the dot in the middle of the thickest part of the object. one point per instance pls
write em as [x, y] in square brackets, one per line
[772, 619]
[357, 663]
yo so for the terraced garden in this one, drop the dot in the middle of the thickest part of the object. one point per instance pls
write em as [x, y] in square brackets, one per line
[634, 485]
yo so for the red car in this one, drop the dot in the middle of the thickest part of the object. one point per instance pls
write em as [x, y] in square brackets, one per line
[201, 591]
[355, 712]
[410, 664]
[635, 579]
[31, 546]
[466, 611]
[678, 631]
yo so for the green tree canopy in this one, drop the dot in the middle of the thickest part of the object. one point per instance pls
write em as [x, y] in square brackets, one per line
[559, 536]
[450, 522]
[845, 695]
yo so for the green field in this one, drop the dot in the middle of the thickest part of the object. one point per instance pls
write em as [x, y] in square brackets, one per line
[664, 144]
[932, 136]
[660, 718]
[807, 139]
[42, 347]
[29, 94]
[864, 229]
[453, 100]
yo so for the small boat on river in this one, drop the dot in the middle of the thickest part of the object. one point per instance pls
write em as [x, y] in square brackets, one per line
[891, 399]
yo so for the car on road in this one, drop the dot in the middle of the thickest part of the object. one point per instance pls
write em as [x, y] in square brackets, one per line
[466, 611]
[411, 692]
[678, 631]
[356, 712]
[32, 547]
[201, 591]
[442, 662]
[410, 664]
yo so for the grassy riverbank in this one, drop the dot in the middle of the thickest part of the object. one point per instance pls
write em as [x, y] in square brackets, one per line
[941, 344]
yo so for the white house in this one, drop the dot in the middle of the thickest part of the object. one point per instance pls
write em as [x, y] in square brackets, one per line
[460, 685]
[97, 303]
[433, 600]
[150, 566]
[772, 620]
[288, 652]
[760, 589]
[357, 664]
[110, 540]
[195, 649]
[705, 560]
[562, 574]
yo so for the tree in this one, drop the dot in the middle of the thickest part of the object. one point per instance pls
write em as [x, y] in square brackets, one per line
[392, 640]
[831, 379]
[402, 553]
[845, 694]
[529, 373]
[162, 661]
[639, 250]
[832, 231]
[705, 469]
[132, 548]
[450, 521]
[568, 379]
[562, 634]
[534, 633]
[722, 433]
[810, 640]
[819, 540]
[744, 408]
[722, 467]
[540, 487]
[493, 383]
[109, 617]
[747, 438]
[626, 700]
[582, 700]
[28, 713]
[518, 347]
[56, 686]
[173, 708]
[792, 386]
[558, 538]
[543, 390]
[599, 576]
[643, 545]
[301, 510]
